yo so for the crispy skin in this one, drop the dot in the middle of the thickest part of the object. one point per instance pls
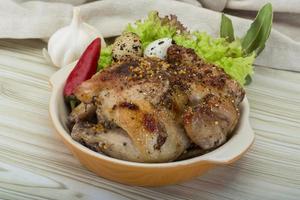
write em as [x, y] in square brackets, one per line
[113, 142]
[209, 122]
[151, 129]
[82, 112]
[162, 107]
[127, 96]
[212, 111]
[210, 76]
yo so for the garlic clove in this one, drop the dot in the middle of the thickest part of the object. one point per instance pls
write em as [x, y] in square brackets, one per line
[69, 57]
[68, 43]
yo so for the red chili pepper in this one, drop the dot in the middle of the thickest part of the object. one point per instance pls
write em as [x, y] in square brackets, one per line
[85, 68]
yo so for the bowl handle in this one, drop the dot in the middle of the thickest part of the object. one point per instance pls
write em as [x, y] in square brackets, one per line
[61, 75]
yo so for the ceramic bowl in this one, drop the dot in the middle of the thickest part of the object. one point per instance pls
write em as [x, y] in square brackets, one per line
[146, 174]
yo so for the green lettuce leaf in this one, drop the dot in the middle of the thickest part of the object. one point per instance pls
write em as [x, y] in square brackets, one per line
[154, 28]
[148, 30]
[105, 57]
[228, 56]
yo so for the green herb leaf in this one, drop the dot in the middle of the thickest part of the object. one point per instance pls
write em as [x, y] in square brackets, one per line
[218, 51]
[259, 31]
[248, 80]
[72, 101]
[155, 27]
[105, 57]
[259, 50]
[226, 29]
[73, 104]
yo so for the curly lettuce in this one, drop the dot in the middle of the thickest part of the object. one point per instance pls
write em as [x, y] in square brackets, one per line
[227, 55]
[154, 28]
[105, 57]
[148, 30]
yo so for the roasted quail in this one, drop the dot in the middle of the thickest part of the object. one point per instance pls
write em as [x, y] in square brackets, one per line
[152, 110]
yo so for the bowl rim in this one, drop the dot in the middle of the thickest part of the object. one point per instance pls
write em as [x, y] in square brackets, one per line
[57, 81]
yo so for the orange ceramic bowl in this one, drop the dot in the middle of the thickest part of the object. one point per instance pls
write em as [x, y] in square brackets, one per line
[146, 174]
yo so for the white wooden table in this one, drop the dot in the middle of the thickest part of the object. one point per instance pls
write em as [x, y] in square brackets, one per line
[34, 164]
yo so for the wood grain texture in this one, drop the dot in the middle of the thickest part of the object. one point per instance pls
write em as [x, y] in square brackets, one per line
[34, 164]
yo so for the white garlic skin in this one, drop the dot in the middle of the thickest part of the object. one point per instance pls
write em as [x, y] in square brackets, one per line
[158, 48]
[68, 43]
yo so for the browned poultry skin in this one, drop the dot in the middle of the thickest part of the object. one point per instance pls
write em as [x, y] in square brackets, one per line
[81, 112]
[158, 103]
[113, 142]
[213, 78]
[129, 97]
[209, 122]
[212, 111]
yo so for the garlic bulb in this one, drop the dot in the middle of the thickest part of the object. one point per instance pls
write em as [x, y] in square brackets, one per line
[68, 43]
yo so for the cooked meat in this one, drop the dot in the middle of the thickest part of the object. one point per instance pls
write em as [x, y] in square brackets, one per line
[153, 131]
[209, 122]
[82, 112]
[214, 98]
[113, 142]
[213, 78]
[160, 107]
[124, 98]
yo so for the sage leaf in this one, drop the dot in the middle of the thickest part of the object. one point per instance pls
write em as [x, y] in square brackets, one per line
[72, 101]
[259, 31]
[259, 50]
[73, 104]
[248, 80]
[226, 29]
